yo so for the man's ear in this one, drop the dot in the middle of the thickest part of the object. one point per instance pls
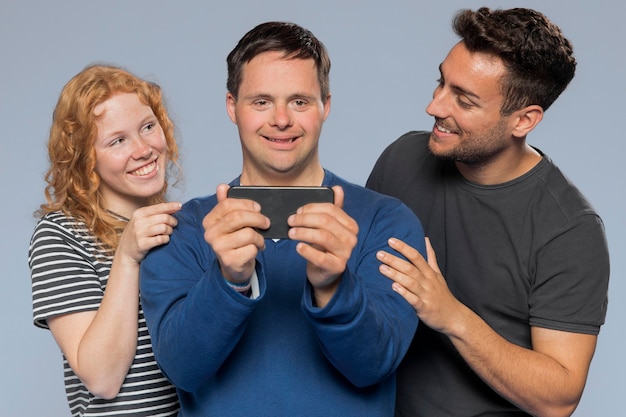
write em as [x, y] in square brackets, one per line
[526, 120]
[230, 107]
[327, 106]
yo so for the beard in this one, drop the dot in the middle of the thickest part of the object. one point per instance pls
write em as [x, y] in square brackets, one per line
[468, 154]
[474, 150]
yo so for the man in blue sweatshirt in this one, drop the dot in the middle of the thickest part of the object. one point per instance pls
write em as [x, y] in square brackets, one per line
[305, 325]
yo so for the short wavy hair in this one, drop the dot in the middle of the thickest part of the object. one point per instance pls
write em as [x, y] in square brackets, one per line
[294, 41]
[73, 186]
[539, 59]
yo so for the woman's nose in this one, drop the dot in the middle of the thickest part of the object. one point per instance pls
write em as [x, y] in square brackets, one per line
[142, 150]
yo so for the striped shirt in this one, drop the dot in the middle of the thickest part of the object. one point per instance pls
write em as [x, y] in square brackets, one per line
[69, 270]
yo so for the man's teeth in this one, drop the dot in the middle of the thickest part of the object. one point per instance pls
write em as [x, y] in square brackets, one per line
[443, 129]
[145, 170]
[280, 140]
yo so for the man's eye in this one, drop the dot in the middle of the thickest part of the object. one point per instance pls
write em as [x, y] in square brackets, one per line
[300, 104]
[464, 104]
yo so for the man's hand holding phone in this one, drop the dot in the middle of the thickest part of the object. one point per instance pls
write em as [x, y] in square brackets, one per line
[230, 229]
[244, 217]
[327, 236]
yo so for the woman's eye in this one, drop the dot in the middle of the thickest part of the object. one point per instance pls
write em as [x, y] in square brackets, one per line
[149, 127]
[117, 141]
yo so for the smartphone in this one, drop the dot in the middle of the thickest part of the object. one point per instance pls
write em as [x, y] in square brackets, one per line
[278, 203]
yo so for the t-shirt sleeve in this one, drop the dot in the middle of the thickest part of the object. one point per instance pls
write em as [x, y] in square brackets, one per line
[63, 279]
[570, 293]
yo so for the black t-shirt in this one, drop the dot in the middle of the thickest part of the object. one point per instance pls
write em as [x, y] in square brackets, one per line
[529, 252]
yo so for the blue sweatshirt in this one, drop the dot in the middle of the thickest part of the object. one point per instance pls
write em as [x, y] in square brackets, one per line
[278, 354]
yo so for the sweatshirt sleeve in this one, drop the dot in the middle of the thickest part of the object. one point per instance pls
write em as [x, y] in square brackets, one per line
[195, 319]
[366, 328]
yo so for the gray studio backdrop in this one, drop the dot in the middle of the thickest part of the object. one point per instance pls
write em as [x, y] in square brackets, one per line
[384, 66]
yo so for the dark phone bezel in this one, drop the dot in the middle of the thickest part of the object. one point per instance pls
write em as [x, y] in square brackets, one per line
[278, 203]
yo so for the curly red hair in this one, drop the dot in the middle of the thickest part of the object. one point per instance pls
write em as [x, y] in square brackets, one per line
[73, 186]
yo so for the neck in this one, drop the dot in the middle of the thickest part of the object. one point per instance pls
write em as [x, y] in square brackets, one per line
[502, 167]
[117, 215]
[309, 177]
[123, 209]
